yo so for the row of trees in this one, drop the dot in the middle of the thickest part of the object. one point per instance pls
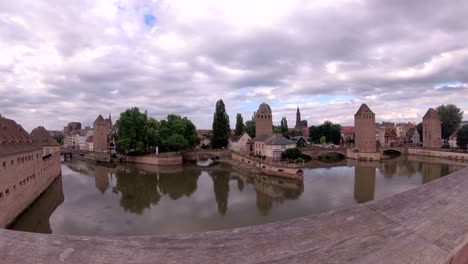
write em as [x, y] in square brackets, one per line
[139, 134]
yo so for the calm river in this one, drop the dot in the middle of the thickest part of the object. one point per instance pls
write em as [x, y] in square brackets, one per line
[150, 200]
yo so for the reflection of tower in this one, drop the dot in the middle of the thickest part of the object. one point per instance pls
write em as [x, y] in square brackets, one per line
[264, 203]
[430, 172]
[102, 178]
[364, 184]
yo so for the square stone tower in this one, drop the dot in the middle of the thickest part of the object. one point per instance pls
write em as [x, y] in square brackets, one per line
[101, 132]
[432, 129]
[364, 127]
[263, 121]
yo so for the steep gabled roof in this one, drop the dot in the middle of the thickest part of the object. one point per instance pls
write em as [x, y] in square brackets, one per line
[99, 119]
[431, 113]
[364, 110]
[14, 139]
[279, 139]
[42, 137]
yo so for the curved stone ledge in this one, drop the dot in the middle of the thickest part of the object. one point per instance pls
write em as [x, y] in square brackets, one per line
[428, 224]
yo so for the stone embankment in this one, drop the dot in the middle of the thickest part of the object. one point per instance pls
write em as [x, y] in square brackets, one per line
[428, 224]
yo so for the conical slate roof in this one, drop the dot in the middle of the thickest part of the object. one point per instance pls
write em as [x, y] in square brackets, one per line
[364, 110]
[431, 113]
[99, 119]
[264, 109]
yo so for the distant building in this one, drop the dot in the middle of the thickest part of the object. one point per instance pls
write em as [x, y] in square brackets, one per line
[301, 125]
[204, 136]
[101, 135]
[42, 137]
[364, 126]
[432, 129]
[391, 137]
[300, 141]
[412, 137]
[70, 134]
[82, 138]
[347, 134]
[239, 143]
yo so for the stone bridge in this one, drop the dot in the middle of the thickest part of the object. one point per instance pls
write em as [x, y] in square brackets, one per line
[314, 153]
[204, 154]
[428, 224]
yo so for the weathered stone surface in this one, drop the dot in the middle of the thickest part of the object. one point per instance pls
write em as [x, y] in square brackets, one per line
[428, 224]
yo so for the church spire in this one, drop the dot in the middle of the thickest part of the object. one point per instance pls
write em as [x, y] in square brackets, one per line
[298, 116]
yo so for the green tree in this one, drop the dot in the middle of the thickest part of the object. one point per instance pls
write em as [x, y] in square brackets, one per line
[462, 137]
[284, 126]
[331, 132]
[221, 127]
[130, 137]
[292, 153]
[250, 128]
[419, 127]
[177, 133]
[451, 117]
[239, 125]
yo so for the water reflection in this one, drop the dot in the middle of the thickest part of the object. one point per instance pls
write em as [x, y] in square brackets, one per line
[138, 189]
[150, 200]
[36, 218]
[364, 183]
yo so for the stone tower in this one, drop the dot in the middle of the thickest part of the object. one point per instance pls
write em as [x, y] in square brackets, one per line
[263, 121]
[432, 129]
[101, 132]
[364, 127]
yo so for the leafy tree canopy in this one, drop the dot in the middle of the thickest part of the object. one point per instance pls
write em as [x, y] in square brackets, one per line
[451, 117]
[462, 137]
[292, 153]
[239, 125]
[331, 132]
[138, 134]
[221, 127]
[250, 128]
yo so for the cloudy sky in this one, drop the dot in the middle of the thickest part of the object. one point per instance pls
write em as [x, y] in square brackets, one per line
[63, 61]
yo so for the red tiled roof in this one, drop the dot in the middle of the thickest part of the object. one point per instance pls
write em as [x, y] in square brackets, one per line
[14, 139]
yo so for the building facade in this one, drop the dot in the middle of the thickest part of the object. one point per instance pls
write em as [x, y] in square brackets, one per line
[364, 127]
[26, 171]
[432, 129]
[239, 144]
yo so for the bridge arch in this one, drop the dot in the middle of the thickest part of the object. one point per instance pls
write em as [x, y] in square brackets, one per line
[392, 152]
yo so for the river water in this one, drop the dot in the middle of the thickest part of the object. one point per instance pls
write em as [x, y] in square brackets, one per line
[149, 200]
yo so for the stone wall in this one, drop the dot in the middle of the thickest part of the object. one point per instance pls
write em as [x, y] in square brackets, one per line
[206, 154]
[438, 154]
[153, 160]
[24, 176]
[292, 172]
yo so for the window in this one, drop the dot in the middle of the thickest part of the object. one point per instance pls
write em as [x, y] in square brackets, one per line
[7, 191]
[4, 164]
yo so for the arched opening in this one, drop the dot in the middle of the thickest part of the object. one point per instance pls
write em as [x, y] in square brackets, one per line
[392, 153]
